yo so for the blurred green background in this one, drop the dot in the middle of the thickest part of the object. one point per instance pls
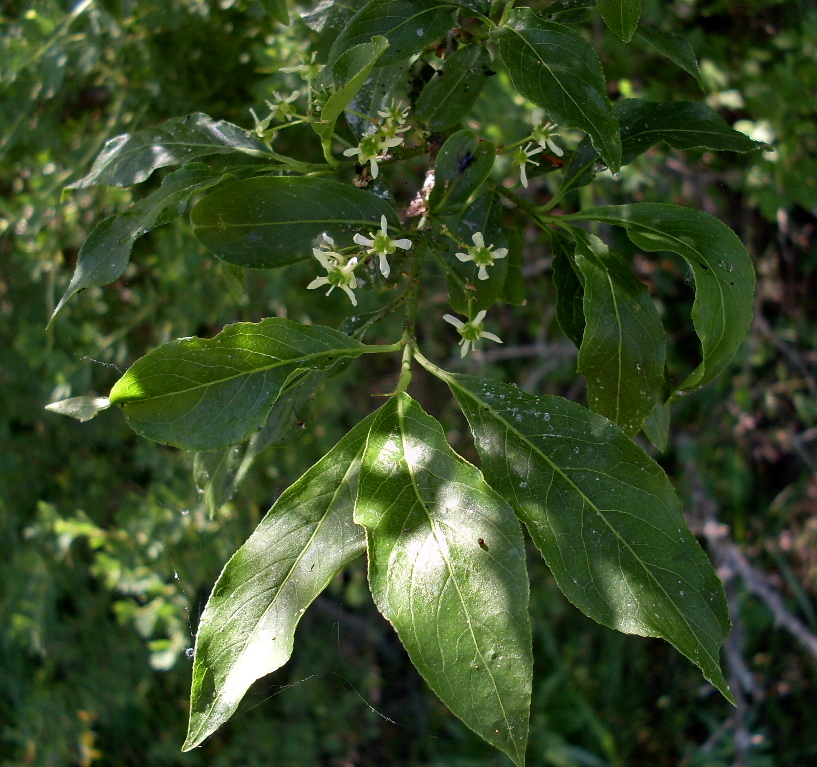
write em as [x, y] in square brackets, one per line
[109, 550]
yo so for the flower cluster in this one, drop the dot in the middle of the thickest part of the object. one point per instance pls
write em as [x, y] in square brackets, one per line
[543, 135]
[340, 272]
[482, 256]
[281, 108]
[382, 245]
[375, 146]
[340, 269]
[471, 331]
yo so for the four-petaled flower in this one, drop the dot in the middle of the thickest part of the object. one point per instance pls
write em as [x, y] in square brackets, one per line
[340, 273]
[471, 331]
[394, 118]
[281, 109]
[543, 135]
[483, 257]
[521, 157]
[382, 245]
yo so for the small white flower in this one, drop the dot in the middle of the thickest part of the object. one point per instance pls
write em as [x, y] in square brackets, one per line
[483, 257]
[307, 70]
[382, 245]
[373, 148]
[544, 134]
[394, 118]
[340, 273]
[471, 331]
[280, 109]
[394, 114]
[521, 157]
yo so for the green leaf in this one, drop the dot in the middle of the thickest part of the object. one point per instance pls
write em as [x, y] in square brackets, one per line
[621, 16]
[447, 569]
[104, 255]
[681, 124]
[451, 93]
[351, 71]
[219, 473]
[673, 47]
[723, 272]
[603, 514]
[569, 291]
[552, 66]
[248, 626]
[268, 222]
[408, 25]
[82, 408]
[277, 9]
[204, 394]
[376, 94]
[623, 348]
[462, 166]
[483, 215]
[132, 157]
[656, 427]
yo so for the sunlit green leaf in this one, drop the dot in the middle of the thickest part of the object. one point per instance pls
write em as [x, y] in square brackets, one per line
[723, 272]
[603, 514]
[268, 222]
[204, 394]
[248, 626]
[132, 157]
[624, 345]
[408, 25]
[104, 255]
[451, 93]
[447, 569]
[621, 16]
[82, 408]
[552, 66]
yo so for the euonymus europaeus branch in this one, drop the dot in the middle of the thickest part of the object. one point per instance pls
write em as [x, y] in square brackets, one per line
[390, 99]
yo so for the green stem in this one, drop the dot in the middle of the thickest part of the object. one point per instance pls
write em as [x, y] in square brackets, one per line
[410, 321]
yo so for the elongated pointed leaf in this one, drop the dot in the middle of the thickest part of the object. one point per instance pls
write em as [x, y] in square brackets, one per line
[681, 124]
[451, 93]
[204, 394]
[674, 48]
[621, 16]
[277, 9]
[82, 408]
[248, 626]
[724, 276]
[569, 291]
[624, 345]
[266, 222]
[447, 569]
[132, 157]
[552, 66]
[351, 71]
[104, 256]
[219, 473]
[375, 95]
[408, 25]
[604, 516]
[462, 166]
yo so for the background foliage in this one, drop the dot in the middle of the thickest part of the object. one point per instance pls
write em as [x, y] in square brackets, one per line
[110, 550]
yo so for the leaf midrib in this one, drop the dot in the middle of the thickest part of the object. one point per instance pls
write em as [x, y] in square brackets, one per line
[591, 505]
[449, 567]
[348, 352]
